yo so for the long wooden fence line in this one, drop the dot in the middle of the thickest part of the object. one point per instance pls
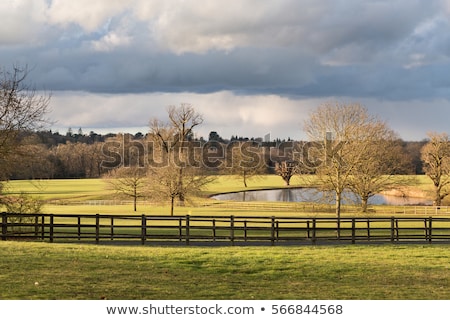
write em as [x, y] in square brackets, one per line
[246, 230]
[299, 207]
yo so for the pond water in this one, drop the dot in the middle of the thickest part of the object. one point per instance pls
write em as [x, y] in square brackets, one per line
[314, 195]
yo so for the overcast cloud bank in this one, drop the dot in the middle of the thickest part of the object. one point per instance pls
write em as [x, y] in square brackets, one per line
[251, 67]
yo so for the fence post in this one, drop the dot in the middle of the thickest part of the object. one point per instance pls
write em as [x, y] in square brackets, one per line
[430, 229]
[353, 231]
[392, 229]
[4, 225]
[232, 230]
[79, 227]
[180, 229]
[214, 229]
[368, 229]
[143, 229]
[51, 227]
[272, 231]
[112, 228]
[43, 227]
[97, 228]
[187, 229]
[314, 230]
[307, 229]
[245, 230]
[397, 234]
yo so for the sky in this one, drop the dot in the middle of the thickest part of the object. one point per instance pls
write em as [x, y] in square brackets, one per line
[251, 68]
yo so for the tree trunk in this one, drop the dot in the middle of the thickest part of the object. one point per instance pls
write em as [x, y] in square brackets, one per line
[181, 195]
[437, 196]
[172, 200]
[364, 202]
[287, 180]
[245, 179]
[135, 196]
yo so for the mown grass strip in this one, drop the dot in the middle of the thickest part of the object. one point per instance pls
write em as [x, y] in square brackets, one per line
[76, 271]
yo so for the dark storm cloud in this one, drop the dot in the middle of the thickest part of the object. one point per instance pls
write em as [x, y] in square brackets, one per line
[274, 71]
[391, 52]
[363, 48]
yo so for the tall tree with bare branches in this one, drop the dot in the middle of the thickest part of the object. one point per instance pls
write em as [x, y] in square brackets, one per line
[343, 135]
[129, 181]
[174, 165]
[22, 108]
[245, 160]
[375, 171]
[436, 158]
[286, 169]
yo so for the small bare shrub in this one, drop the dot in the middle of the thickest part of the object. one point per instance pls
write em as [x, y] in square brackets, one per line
[24, 205]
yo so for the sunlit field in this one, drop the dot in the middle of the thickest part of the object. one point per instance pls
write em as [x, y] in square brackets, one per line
[61, 189]
[95, 195]
[74, 271]
[40, 270]
[85, 189]
[91, 196]
[80, 189]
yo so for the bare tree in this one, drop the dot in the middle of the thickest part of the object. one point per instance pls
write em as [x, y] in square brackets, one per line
[129, 181]
[245, 159]
[344, 134]
[174, 165]
[183, 120]
[286, 170]
[436, 158]
[164, 183]
[21, 109]
[375, 171]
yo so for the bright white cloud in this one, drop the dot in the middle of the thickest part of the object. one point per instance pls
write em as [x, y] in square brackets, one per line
[110, 41]
[224, 112]
[22, 21]
[230, 114]
[119, 34]
[88, 14]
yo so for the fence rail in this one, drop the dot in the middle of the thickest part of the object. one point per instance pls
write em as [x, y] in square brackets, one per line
[231, 230]
[275, 206]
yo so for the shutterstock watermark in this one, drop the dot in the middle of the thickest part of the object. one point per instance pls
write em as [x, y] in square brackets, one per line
[248, 154]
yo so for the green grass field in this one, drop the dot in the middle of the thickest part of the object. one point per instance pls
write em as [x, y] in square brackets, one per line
[80, 195]
[72, 271]
[87, 189]
[61, 189]
[34, 270]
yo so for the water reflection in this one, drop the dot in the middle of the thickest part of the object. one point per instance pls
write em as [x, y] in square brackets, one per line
[314, 195]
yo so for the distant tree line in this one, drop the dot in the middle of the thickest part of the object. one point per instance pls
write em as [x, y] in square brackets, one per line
[51, 155]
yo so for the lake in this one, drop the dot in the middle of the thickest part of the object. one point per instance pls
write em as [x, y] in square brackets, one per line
[314, 195]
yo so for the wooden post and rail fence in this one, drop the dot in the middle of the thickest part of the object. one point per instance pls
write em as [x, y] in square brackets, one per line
[222, 230]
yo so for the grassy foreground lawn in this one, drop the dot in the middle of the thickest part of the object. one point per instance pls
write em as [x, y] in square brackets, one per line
[78, 271]
[73, 271]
